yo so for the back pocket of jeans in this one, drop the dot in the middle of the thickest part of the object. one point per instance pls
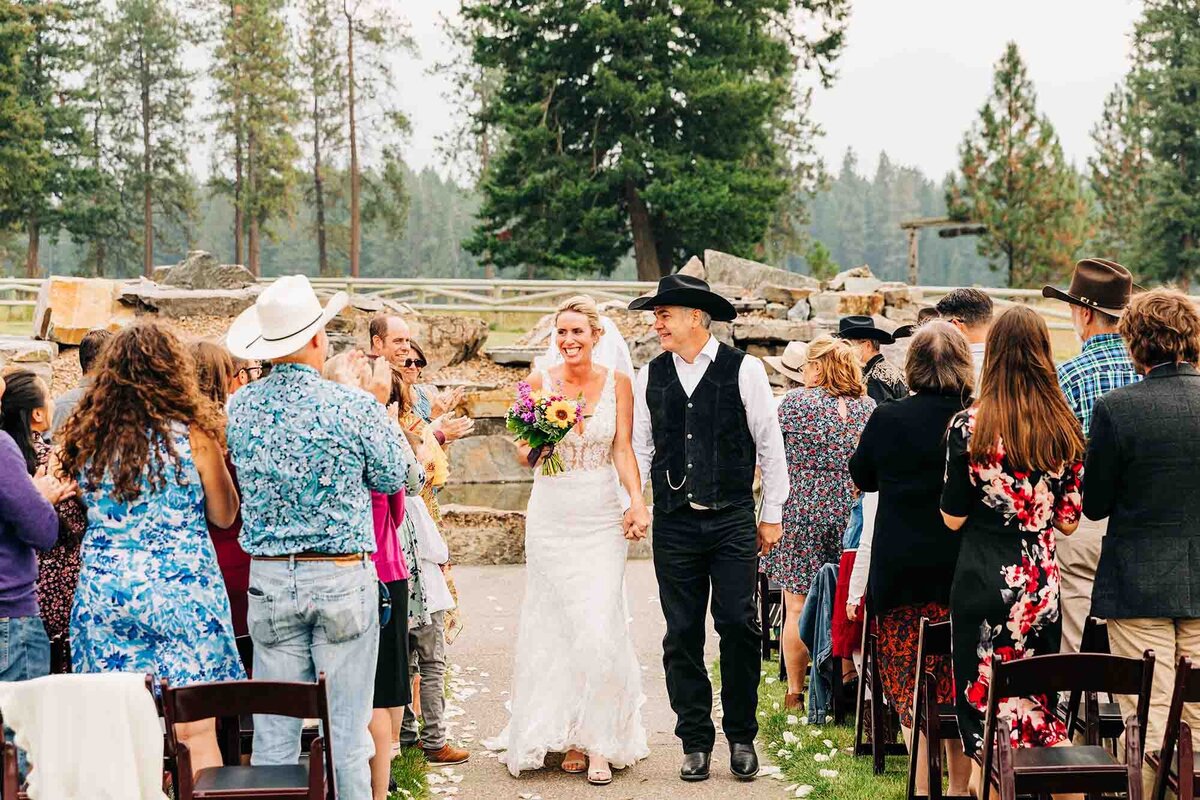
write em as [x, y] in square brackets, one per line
[5, 632]
[260, 617]
[344, 615]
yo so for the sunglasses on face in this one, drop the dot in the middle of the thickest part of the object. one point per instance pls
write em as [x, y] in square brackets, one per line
[412, 362]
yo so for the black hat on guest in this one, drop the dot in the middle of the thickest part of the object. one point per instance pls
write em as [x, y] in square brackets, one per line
[862, 327]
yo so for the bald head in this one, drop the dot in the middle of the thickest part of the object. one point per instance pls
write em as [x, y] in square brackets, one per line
[390, 337]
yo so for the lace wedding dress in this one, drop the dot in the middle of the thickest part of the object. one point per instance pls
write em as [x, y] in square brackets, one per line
[576, 682]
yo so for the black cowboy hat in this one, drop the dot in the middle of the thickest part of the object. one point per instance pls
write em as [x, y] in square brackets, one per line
[924, 315]
[1099, 284]
[689, 292]
[861, 327]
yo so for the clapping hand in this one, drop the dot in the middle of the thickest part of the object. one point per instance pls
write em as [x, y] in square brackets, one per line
[446, 400]
[636, 522]
[453, 427]
[53, 489]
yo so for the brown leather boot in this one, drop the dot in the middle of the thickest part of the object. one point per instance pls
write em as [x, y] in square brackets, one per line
[447, 755]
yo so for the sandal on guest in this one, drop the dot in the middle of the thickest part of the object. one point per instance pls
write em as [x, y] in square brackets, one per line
[574, 762]
[599, 776]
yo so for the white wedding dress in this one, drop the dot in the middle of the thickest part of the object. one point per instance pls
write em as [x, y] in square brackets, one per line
[576, 682]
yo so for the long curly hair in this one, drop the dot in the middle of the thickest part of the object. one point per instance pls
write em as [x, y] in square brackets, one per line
[144, 385]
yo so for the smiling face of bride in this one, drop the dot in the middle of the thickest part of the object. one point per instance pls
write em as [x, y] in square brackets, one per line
[576, 337]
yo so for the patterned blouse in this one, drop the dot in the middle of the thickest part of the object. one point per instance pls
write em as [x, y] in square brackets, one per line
[308, 453]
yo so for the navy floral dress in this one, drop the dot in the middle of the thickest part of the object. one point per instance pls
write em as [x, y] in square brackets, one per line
[1004, 599]
[818, 443]
[151, 597]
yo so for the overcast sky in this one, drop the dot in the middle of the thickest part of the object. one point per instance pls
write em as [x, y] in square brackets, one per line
[911, 79]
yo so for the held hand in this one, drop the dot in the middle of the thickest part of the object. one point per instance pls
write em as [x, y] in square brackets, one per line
[637, 522]
[769, 534]
[525, 450]
[851, 611]
[54, 490]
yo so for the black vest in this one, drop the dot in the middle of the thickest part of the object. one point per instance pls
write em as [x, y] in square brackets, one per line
[703, 450]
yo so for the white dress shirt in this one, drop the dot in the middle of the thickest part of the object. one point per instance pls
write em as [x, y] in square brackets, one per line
[761, 419]
[978, 351]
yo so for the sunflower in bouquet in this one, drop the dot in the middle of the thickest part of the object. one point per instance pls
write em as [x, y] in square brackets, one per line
[541, 420]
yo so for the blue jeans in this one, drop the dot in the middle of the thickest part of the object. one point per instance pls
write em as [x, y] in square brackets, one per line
[307, 617]
[24, 655]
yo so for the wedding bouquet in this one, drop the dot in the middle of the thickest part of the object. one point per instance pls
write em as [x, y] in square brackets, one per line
[541, 420]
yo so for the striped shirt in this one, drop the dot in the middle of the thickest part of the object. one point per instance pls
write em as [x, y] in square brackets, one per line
[1103, 365]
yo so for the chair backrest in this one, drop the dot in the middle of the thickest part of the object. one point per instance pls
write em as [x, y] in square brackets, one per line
[935, 639]
[234, 698]
[1095, 636]
[1085, 672]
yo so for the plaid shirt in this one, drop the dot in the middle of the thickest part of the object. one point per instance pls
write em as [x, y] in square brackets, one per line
[1102, 366]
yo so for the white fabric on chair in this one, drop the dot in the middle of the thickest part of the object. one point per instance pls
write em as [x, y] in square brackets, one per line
[433, 552]
[87, 737]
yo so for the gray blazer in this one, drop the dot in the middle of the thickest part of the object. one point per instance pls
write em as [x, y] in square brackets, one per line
[1143, 473]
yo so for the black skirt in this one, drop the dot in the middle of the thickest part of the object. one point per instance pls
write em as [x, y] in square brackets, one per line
[393, 688]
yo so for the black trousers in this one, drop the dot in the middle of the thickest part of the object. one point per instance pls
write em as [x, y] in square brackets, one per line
[698, 553]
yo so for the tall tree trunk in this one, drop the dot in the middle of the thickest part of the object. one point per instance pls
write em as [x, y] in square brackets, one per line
[239, 217]
[666, 257]
[319, 190]
[644, 251]
[355, 184]
[32, 268]
[251, 213]
[147, 173]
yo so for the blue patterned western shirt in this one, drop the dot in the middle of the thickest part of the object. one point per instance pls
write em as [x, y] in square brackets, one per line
[1103, 365]
[308, 454]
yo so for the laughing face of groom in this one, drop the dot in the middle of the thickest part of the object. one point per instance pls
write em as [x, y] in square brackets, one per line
[680, 329]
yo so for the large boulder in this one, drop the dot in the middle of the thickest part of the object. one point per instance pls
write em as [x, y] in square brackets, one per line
[32, 355]
[172, 302]
[448, 339]
[478, 535]
[487, 459]
[201, 270]
[759, 330]
[67, 308]
[858, 279]
[831, 305]
[725, 268]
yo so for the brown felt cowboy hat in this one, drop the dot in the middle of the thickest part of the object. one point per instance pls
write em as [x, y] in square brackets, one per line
[689, 292]
[1099, 284]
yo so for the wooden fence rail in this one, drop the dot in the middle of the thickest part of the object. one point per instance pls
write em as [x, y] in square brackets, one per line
[469, 295]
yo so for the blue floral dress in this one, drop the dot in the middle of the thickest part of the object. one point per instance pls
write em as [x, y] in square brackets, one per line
[151, 597]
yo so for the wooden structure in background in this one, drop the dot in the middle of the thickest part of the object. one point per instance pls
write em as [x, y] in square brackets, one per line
[949, 229]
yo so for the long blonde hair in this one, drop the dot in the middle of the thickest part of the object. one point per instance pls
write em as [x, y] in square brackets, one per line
[837, 367]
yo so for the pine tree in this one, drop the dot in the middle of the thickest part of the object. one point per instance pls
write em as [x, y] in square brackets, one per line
[147, 100]
[1166, 82]
[645, 123]
[52, 172]
[257, 103]
[323, 73]
[475, 138]
[1015, 180]
[372, 35]
[1117, 174]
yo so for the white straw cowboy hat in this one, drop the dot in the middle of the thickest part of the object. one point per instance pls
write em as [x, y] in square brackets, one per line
[791, 362]
[283, 318]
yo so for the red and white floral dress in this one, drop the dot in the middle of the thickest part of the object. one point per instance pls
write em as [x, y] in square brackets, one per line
[1004, 600]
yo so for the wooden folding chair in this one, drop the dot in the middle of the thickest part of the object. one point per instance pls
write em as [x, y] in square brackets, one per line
[873, 716]
[932, 721]
[1175, 764]
[1076, 768]
[771, 614]
[227, 701]
[1107, 713]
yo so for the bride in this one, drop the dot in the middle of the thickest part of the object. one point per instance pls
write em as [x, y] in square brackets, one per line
[577, 683]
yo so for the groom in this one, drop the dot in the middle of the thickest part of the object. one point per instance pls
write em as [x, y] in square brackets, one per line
[703, 416]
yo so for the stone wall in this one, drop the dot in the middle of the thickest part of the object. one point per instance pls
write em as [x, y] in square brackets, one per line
[478, 535]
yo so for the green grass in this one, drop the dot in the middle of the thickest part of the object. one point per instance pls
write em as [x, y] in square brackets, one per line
[791, 745]
[409, 769]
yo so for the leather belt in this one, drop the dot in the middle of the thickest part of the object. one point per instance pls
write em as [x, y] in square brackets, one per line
[311, 556]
